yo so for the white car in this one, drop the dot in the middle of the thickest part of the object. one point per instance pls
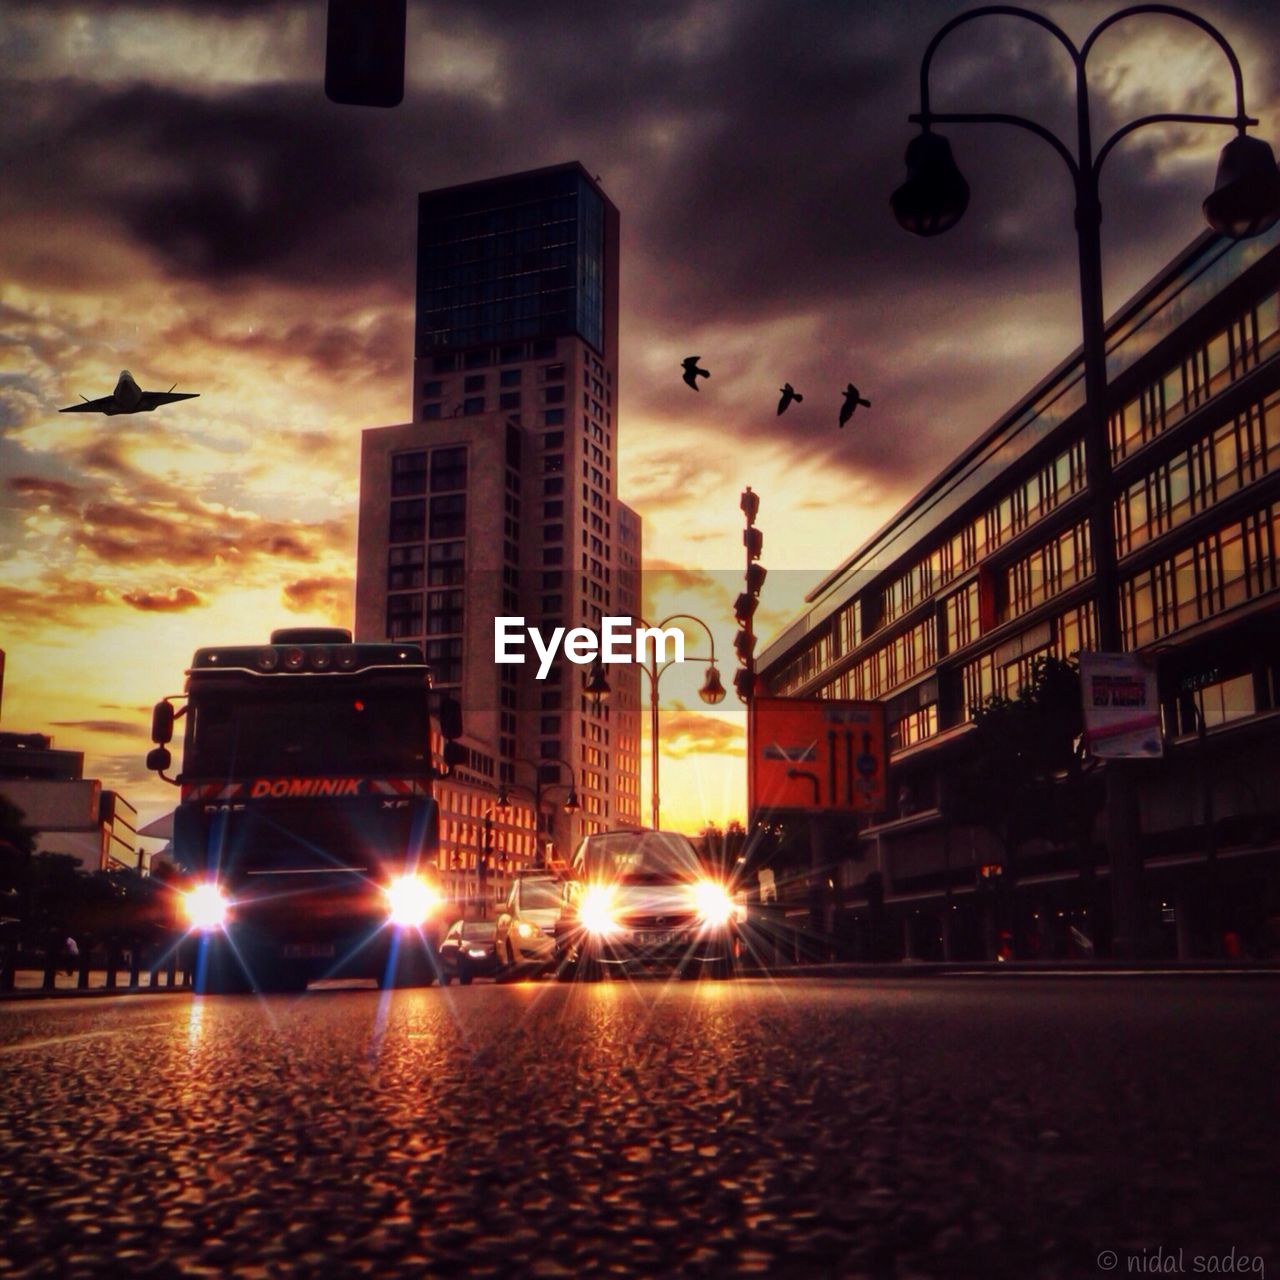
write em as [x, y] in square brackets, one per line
[526, 934]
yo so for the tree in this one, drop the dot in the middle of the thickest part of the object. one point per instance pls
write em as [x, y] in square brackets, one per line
[1024, 776]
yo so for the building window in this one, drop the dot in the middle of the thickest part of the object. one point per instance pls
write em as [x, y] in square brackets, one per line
[408, 520]
[544, 349]
[473, 405]
[553, 555]
[449, 516]
[409, 473]
[433, 390]
[431, 410]
[473, 382]
[404, 568]
[444, 612]
[509, 378]
[448, 469]
[553, 373]
[404, 616]
[552, 395]
[553, 463]
[445, 564]
[445, 659]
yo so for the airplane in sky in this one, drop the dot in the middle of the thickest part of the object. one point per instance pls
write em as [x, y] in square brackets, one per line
[128, 397]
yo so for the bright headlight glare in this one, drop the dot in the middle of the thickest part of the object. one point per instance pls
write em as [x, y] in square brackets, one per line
[206, 907]
[410, 901]
[596, 910]
[525, 929]
[713, 902]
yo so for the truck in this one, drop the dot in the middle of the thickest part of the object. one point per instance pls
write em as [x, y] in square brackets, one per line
[306, 831]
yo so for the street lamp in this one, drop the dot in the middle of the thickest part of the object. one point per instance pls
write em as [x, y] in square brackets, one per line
[571, 802]
[1245, 202]
[711, 692]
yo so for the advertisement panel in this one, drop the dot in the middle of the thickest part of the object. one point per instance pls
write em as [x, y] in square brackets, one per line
[818, 754]
[1121, 707]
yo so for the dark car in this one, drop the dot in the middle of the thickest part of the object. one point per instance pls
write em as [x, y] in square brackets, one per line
[468, 951]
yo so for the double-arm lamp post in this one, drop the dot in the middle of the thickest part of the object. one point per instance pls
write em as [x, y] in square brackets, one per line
[1245, 202]
[571, 802]
[711, 692]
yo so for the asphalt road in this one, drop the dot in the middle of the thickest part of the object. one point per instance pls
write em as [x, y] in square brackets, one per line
[890, 1128]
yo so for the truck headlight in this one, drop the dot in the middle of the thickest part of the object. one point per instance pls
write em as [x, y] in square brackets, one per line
[206, 907]
[596, 909]
[410, 901]
[713, 902]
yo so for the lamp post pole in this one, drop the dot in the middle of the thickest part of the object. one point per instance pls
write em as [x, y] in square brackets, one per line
[571, 804]
[1246, 201]
[712, 691]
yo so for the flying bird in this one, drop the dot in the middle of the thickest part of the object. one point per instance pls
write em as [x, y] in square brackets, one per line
[128, 397]
[851, 402]
[789, 393]
[691, 371]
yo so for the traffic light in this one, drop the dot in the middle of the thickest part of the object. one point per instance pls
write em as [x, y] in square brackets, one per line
[364, 53]
[753, 540]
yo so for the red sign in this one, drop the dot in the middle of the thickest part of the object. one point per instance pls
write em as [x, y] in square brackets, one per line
[818, 754]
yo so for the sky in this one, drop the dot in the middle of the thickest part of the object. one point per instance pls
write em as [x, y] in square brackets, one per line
[180, 199]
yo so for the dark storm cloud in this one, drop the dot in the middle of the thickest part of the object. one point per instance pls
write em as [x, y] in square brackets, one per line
[172, 601]
[161, 523]
[330, 595]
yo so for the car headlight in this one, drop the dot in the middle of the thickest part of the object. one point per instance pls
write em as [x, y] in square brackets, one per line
[713, 903]
[206, 907]
[410, 901]
[596, 909]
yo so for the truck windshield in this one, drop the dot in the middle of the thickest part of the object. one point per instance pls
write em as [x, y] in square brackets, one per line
[305, 730]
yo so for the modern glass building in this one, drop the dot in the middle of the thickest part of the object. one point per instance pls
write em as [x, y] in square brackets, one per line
[990, 567]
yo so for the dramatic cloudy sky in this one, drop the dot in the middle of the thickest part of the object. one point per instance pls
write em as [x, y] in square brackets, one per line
[179, 199]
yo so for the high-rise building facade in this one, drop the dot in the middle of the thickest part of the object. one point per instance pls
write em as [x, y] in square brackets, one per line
[500, 498]
[990, 567]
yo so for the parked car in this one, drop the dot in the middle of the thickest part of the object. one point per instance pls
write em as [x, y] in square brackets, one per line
[526, 935]
[643, 900]
[467, 951]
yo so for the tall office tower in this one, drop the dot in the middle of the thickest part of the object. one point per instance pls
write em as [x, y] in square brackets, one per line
[500, 498]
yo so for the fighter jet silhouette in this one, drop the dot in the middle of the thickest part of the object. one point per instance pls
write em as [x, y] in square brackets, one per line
[851, 402]
[789, 393]
[691, 371]
[128, 397]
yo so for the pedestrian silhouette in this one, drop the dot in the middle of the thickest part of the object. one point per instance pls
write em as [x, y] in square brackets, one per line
[851, 402]
[691, 371]
[789, 393]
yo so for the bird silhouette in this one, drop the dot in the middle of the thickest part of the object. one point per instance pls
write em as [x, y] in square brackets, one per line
[692, 372]
[851, 402]
[789, 393]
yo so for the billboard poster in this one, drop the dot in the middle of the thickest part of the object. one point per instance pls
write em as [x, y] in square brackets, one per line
[818, 755]
[1121, 707]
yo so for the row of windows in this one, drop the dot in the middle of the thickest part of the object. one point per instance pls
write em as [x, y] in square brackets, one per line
[447, 518]
[1030, 501]
[409, 471]
[1006, 669]
[1232, 456]
[508, 353]
[1248, 340]
[443, 567]
[1059, 564]
[1222, 569]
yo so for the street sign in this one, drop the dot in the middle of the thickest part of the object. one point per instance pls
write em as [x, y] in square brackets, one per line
[818, 755]
[1121, 706]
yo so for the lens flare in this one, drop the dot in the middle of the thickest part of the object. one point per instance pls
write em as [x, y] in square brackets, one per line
[410, 901]
[713, 902]
[206, 907]
[596, 910]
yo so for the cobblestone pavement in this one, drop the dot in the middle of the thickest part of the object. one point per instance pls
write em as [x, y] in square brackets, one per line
[887, 1128]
